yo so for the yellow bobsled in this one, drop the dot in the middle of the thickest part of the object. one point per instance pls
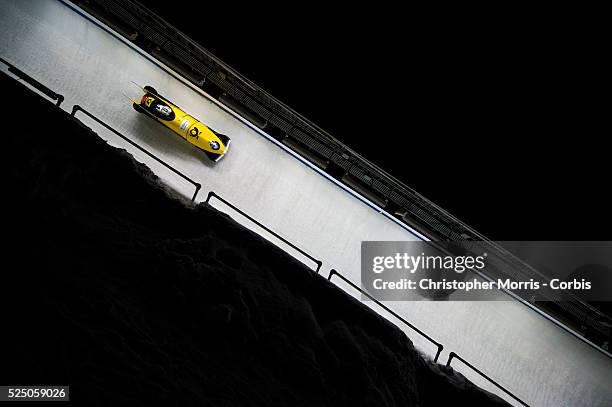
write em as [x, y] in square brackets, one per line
[213, 144]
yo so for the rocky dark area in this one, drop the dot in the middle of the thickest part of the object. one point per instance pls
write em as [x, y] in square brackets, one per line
[135, 297]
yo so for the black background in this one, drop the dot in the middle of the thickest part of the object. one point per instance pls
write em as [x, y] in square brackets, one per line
[495, 115]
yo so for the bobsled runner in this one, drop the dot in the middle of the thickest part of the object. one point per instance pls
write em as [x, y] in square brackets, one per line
[159, 108]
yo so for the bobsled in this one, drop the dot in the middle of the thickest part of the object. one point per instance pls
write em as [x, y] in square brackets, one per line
[160, 109]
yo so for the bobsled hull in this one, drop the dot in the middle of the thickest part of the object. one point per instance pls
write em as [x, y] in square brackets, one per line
[213, 144]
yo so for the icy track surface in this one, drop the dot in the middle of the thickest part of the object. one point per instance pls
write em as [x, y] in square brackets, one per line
[92, 67]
